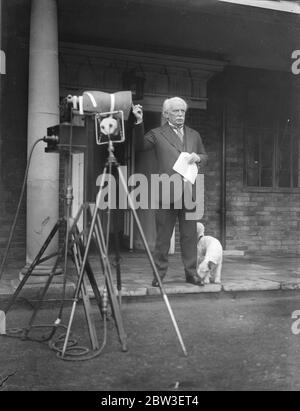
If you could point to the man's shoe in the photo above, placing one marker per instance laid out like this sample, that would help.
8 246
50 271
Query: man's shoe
194 280
155 282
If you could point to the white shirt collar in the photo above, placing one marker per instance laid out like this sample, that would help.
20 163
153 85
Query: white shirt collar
175 127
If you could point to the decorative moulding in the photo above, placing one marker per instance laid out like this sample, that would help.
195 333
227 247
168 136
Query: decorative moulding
88 67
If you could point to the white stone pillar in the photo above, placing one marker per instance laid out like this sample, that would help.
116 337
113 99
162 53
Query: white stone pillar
43 111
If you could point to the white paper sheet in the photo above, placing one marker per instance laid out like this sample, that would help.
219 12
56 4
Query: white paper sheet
188 171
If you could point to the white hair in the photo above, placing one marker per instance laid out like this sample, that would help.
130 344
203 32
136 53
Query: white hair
167 103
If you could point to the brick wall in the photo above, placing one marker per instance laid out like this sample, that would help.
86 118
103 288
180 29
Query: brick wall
257 221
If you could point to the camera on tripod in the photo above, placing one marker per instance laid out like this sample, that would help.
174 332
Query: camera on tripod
110 111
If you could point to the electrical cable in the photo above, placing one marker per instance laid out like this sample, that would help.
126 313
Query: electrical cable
74 351
13 227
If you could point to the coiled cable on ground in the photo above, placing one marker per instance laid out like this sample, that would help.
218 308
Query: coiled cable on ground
78 353
74 351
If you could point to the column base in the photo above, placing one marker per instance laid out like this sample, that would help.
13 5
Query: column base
40 274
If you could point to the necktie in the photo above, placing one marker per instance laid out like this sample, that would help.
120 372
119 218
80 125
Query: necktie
179 132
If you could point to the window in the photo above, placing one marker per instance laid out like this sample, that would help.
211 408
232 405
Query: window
272 143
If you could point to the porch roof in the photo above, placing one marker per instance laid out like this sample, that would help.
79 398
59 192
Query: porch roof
244 36
284 6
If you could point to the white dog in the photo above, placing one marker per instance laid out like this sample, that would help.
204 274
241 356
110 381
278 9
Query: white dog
209 257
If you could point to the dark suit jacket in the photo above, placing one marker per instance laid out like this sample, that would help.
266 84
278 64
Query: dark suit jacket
168 146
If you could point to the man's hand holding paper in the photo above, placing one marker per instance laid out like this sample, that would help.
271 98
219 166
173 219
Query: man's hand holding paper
194 158
187 167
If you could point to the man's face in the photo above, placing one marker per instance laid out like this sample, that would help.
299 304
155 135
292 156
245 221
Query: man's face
176 113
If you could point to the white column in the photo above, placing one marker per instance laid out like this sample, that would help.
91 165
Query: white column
43 111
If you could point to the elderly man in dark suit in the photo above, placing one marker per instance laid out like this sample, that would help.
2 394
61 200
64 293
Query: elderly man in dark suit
169 141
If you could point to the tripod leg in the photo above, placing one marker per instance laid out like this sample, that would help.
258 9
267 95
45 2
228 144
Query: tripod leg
86 304
33 265
41 299
90 234
94 286
80 252
109 207
88 315
153 265
109 283
100 240
62 222
69 197
118 266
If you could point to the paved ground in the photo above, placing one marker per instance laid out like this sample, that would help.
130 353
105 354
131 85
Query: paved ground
235 341
240 273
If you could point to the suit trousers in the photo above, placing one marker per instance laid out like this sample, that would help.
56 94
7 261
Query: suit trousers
165 223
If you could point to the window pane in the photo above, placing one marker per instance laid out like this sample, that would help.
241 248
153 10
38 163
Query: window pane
266 177
272 137
284 161
252 147
284 178
296 161
296 180
253 177
267 147
252 157
260 149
